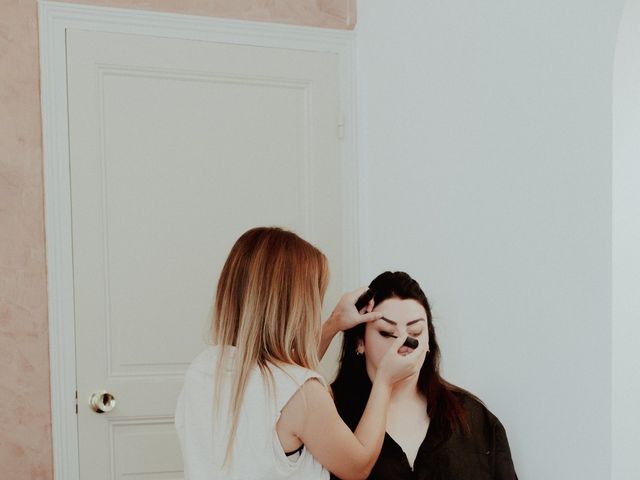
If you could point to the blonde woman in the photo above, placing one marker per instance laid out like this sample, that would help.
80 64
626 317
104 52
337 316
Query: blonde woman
252 405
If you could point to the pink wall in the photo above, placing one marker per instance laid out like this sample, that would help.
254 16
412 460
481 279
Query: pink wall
318 13
25 418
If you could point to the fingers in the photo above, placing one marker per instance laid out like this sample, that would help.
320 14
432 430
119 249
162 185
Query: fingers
355 295
367 308
370 305
397 343
395 346
370 317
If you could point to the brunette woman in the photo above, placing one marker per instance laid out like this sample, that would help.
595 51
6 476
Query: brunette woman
434 430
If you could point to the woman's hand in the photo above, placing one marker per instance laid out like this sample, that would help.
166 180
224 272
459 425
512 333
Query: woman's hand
395 366
345 316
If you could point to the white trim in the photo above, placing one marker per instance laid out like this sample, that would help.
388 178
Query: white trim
625 258
360 106
55 18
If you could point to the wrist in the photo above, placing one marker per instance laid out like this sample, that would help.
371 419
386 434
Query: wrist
382 385
330 327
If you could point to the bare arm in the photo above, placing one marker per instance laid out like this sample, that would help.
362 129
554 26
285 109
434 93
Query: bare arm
313 418
329 330
347 454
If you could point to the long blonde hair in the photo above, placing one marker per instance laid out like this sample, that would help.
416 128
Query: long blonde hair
268 305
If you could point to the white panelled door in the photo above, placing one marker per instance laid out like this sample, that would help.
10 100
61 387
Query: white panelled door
176 148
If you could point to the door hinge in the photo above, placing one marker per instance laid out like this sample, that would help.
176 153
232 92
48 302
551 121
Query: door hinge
341 126
76 402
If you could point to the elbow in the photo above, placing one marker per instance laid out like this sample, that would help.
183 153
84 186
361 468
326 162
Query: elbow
356 476
362 471
364 474
367 471
358 466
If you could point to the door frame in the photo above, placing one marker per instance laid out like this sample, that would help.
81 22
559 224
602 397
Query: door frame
625 234
54 20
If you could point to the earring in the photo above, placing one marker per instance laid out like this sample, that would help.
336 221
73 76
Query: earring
359 350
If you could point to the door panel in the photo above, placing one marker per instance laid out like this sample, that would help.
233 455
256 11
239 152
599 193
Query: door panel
177 147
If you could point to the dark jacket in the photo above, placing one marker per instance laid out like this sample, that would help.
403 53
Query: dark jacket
481 454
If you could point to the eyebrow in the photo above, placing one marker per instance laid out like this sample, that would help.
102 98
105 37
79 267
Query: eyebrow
408 323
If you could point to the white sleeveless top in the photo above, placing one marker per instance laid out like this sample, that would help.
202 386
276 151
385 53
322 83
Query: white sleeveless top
257 452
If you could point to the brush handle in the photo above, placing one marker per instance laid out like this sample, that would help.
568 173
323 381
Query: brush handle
411 343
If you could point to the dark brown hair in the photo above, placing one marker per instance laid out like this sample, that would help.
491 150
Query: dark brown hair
352 385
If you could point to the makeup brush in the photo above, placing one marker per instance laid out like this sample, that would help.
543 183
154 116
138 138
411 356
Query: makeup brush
411 343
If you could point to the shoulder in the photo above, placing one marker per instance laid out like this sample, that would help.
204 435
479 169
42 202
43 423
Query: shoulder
294 374
476 410
204 364
311 396
488 433
469 401
294 380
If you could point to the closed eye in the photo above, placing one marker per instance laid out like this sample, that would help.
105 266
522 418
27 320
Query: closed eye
415 334
387 334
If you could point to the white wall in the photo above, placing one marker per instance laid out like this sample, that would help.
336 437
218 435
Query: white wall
626 243
485 142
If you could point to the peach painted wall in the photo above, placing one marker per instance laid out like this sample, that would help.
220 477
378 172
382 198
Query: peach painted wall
25 418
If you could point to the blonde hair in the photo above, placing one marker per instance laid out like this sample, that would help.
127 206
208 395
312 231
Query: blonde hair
268 305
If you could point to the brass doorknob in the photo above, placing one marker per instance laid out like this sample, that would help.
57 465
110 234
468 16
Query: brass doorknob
102 402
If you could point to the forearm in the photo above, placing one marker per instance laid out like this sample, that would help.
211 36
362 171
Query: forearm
373 423
329 330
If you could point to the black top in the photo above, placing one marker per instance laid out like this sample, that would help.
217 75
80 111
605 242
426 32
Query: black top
482 454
